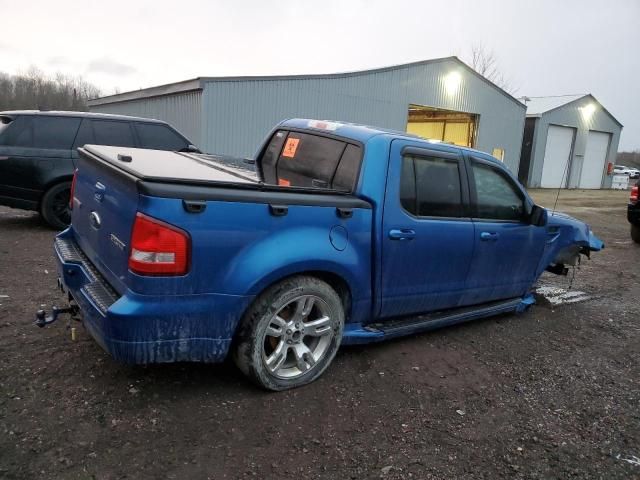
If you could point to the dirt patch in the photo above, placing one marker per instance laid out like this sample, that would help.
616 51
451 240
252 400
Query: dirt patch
552 393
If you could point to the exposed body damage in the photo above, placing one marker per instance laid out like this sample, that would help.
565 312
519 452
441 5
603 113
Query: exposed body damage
567 239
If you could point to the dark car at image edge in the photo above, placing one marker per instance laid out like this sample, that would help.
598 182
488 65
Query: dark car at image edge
633 213
38 152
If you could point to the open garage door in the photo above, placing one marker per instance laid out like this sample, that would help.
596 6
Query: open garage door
595 157
556 156
449 126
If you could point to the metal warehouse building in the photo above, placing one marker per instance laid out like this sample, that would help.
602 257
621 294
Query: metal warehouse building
441 99
568 142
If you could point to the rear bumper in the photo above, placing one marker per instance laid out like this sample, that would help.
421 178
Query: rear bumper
136 328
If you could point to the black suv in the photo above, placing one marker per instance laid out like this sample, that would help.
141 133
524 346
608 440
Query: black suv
633 213
38 152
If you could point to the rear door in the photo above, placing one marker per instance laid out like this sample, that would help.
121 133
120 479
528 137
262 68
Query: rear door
115 133
35 151
427 235
507 247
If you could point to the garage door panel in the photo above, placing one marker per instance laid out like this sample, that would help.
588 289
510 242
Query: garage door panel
556 156
595 156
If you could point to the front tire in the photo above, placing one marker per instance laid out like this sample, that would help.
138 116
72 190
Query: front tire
635 233
290 334
54 207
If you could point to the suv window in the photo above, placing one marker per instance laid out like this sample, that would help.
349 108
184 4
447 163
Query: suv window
430 187
159 137
496 195
307 160
42 132
108 132
4 123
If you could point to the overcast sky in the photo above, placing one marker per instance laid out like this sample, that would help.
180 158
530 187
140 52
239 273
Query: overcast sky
545 47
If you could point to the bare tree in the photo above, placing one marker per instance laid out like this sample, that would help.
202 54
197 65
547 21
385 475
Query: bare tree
486 64
35 90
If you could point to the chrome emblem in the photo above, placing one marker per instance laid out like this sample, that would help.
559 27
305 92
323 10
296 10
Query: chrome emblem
117 242
95 220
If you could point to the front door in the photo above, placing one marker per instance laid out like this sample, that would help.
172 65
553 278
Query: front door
427 234
507 247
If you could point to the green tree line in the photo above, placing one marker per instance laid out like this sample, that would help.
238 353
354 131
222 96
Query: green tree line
34 90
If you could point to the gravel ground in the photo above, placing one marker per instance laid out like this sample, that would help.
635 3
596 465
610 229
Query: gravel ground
552 393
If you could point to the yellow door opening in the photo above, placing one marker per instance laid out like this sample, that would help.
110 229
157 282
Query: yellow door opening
445 125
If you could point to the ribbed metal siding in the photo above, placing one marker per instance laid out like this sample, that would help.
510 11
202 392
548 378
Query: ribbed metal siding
571 116
182 111
237 114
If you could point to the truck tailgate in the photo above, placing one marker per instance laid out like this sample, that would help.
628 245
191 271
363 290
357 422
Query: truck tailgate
106 197
105 202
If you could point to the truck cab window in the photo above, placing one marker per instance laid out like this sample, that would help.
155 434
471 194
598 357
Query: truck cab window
298 159
497 197
430 187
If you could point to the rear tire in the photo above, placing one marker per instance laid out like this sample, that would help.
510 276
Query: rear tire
54 207
635 233
290 334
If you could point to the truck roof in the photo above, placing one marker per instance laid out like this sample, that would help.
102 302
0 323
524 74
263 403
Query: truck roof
363 133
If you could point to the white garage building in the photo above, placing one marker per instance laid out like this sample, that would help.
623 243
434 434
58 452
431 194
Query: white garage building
568 142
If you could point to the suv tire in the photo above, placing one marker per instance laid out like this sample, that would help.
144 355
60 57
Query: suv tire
54 207
290 334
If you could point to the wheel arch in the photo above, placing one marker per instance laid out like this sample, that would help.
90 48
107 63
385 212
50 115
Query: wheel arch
335 280
52 183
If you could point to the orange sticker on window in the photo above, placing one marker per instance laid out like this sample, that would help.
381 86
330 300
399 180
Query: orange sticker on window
290 147
284 183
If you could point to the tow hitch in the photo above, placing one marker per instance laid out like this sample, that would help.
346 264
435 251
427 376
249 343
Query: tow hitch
42 319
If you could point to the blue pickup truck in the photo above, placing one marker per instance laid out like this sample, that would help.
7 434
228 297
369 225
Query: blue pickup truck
335 234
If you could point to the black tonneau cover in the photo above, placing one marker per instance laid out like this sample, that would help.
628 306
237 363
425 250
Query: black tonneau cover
163 166
207 177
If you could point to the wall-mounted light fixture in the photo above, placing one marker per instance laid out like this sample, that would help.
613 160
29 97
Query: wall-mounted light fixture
452 82
588 110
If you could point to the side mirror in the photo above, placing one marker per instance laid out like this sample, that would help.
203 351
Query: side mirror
538 216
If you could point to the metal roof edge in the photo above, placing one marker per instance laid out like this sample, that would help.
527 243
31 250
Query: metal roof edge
197 83
607 111
157 91
576 100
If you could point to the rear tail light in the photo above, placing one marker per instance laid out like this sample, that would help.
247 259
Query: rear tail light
158 248
634 194
73 188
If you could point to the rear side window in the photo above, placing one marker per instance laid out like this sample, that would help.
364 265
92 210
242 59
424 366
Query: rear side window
56 133
430 187
497 197
117 134
4 123
159 137
85 135
307 160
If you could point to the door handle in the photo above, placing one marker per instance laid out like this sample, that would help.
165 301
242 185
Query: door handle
402 234
489 236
